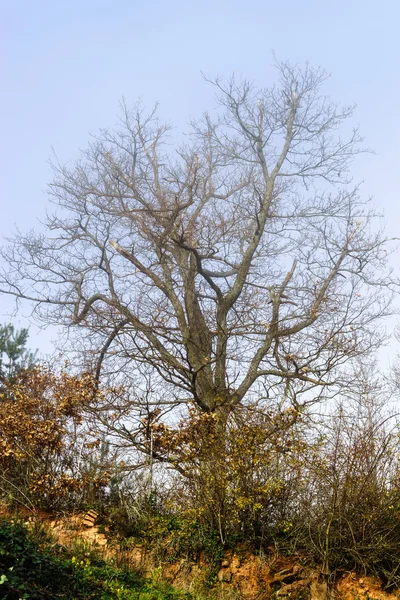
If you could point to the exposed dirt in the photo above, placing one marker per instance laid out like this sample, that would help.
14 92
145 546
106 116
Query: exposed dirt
352 586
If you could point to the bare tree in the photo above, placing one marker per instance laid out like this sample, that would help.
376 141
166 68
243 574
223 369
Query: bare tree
240 263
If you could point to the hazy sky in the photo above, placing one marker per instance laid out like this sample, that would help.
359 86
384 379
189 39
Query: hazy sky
65 65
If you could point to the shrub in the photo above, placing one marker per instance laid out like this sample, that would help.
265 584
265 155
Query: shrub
46 450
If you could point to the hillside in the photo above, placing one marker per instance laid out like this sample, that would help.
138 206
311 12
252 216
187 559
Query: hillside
43 557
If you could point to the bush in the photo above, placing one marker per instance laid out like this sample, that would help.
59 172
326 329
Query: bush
240 479
26 572
47 454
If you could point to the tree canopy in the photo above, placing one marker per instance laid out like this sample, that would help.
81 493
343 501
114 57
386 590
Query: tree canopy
241 264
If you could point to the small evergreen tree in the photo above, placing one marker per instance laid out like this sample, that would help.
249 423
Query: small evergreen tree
14 354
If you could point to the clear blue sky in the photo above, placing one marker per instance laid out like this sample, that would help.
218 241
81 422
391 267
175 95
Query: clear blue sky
65 65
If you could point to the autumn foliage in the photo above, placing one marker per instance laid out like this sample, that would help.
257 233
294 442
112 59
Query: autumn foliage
46 447
240 477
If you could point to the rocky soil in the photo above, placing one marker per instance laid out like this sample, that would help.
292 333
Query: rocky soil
242 575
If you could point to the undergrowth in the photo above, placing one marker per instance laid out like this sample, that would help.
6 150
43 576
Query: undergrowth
41 570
